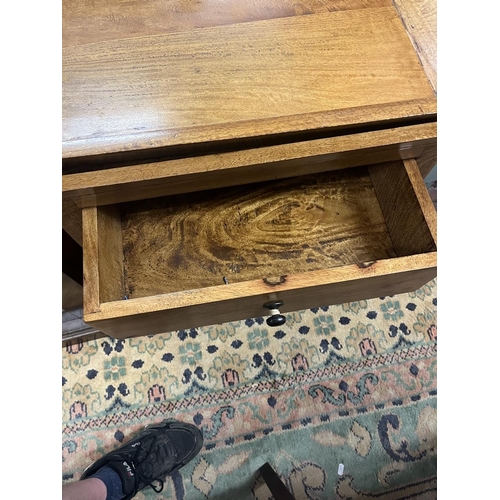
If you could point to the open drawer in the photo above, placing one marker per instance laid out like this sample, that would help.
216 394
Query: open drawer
208 257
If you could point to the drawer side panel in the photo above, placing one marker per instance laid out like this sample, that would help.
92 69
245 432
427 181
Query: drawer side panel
401 206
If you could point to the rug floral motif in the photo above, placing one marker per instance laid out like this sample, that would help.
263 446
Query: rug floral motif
353 384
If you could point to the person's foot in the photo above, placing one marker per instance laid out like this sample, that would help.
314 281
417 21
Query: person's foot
157 451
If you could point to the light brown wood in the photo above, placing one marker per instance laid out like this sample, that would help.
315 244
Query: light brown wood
153 106
222 83
91 262
422 194
256 231
400 205
321 239
109 232
191 309
88 21
163 178
420 20
103 273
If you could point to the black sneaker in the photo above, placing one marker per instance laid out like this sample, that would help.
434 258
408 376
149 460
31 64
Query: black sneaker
157 451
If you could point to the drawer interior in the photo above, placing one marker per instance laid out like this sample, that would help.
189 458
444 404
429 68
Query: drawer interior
259 231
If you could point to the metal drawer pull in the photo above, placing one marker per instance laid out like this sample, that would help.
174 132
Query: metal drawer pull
276 318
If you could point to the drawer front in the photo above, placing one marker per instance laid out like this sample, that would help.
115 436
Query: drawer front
184 175
346 284
189 261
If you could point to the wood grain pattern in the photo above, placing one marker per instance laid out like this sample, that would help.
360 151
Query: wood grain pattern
109 230
103 275
420 20
304 128
185 175
230 82
257 231
90 235
395 185
88 21
343 273
426 206
195 308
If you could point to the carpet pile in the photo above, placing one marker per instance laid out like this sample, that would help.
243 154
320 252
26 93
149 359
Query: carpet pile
353 384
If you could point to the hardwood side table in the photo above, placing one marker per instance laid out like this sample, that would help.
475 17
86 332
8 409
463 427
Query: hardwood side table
268 157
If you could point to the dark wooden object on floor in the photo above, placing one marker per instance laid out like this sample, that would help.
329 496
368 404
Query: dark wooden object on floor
274 483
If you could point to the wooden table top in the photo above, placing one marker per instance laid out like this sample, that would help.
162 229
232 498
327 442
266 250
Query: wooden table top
146 79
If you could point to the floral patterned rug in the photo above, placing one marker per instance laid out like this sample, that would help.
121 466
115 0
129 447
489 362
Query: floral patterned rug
353 384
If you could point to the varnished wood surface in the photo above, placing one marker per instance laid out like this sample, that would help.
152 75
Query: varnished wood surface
420 20
163 178
103 275
303 287
126 85
191 309
89 21
256 231
110 250
396 192
426 206
230 82
91 261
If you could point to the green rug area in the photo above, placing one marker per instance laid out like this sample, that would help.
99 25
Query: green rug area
353 384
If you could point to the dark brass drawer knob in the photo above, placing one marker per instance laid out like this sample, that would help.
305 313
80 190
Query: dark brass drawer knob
276 318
